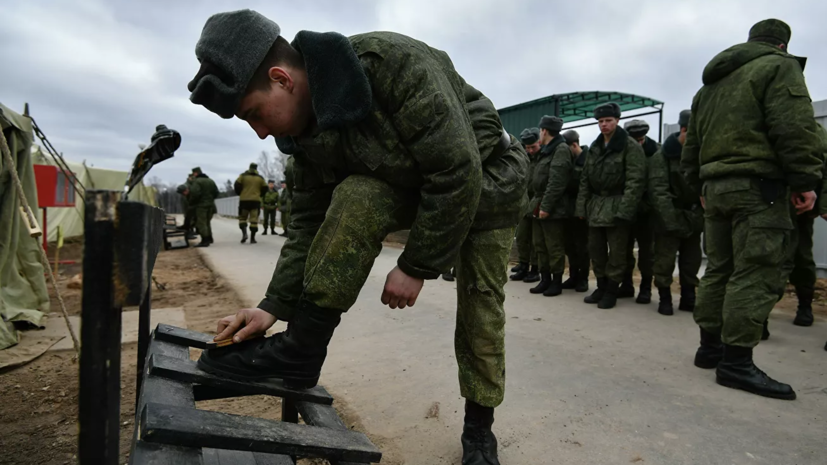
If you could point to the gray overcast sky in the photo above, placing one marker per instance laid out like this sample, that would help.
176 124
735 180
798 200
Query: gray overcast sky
100 74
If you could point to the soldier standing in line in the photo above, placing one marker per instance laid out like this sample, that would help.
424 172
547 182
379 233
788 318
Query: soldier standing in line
270 203
754 93
250 187
642 227
678 222
189 211
202 195
286 196
387 136
553 171
526 271
577 230
611 186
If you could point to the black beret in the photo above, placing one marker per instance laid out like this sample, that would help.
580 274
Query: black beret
683 119
571 136
771 30
530 136
637 127
197 170
551 123
606 110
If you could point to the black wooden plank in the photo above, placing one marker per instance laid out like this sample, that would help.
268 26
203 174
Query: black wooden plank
288 411
235 457
138 239
204 392
187 370
197 428
324 416
145 453
184 337
144 336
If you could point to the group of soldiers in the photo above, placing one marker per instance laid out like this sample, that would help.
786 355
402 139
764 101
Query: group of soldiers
255 195
199 193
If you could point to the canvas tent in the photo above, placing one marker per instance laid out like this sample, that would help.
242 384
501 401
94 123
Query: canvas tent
23 294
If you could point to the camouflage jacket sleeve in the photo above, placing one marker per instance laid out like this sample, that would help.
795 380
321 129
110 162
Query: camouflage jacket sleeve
691 153
196 194
584 194
425 102
560 171
311 199
660 195
635 182
213 191
791 127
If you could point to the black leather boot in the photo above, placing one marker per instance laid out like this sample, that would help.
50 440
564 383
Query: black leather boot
205 242
521 273
710 352
449 276
545 283
582 284
265 232
243 233
273 231
665 305
479 445
570 283
295 355
687 303
253 232
533 275
284 234
598 293
804 315
645 294
556 287
627 288
766 333
609 299
519 266
737 371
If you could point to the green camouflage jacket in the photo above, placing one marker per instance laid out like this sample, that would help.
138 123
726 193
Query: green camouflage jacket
392 107
287 193
574 182
528 211
270 201
551 177
250 186
753 118
613 181
650 147
203 192
676 205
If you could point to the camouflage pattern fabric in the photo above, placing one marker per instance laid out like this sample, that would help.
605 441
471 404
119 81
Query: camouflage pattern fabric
747 240
576 237
642 233
269 204
250 186
550 179
248 212
203 193
525 243
203 217
549 242
689 260
609 263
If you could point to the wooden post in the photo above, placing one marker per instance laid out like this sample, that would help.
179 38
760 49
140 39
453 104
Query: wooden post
144 335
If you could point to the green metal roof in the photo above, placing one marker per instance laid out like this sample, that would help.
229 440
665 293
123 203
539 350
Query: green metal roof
574 106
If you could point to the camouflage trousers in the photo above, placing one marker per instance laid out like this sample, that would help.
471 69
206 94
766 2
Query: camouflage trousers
577 244
269 219
525 243
747 241
285 219
642 233
362 212
189 218
800 266
549 242
203 217
607 249
248 211
688 250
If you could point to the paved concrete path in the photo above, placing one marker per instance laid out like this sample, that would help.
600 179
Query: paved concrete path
585 386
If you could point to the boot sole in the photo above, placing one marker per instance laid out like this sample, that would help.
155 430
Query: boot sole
803 324
666 312
643 301
290 382
555 294
684 309
736 385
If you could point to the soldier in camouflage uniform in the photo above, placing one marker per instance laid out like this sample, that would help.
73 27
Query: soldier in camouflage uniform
270 203
678 222
611 187
386 136
286 196
189 211
642 227
202 195
577 230
754 93
526 270
250 187
551 177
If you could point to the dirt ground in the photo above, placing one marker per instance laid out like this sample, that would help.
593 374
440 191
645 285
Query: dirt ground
38 414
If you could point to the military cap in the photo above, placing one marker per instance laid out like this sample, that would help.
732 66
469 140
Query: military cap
530 136
606 110
271 180
197 170
253 166
771 30
551 123
637 128
683 119
571 136
182 188
231 47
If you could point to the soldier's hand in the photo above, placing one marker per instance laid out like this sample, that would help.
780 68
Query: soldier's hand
703 204
803 201
543 215
401 290
246 324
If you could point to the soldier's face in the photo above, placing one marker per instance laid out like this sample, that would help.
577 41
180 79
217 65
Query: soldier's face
607 125
272 185
282 109
682 136
533 148
575 148
640 140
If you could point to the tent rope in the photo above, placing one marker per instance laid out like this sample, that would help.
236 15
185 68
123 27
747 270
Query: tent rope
4 147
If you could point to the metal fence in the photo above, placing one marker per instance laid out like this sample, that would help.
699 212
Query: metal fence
228 206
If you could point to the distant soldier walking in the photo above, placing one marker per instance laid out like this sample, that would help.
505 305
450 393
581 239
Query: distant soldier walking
577 229
270 203
526 270
286 196
754 93
202 195
250 187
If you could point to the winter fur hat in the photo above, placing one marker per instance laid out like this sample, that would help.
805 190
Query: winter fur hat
607 110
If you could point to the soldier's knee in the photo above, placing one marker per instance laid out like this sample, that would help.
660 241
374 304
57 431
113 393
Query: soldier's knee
363 198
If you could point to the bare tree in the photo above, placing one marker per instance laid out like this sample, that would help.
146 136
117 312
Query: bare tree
271 165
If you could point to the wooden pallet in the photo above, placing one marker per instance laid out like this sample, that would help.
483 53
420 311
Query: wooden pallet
172 235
